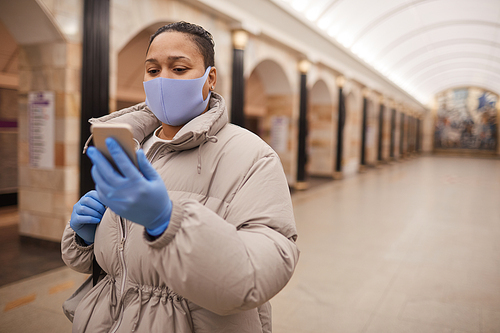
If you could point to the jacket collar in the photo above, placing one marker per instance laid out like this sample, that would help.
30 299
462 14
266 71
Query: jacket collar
191 135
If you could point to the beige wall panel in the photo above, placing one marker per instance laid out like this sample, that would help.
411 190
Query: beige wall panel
320 140
36 200
43 194
45 226
40 179
281 105
8 104
322 118
428 123
8 162
397 135
386 133
371 132
255 97
352 131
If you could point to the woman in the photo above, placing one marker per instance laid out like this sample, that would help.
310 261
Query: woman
202 235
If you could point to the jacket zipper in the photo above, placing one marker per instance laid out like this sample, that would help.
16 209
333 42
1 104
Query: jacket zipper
123 231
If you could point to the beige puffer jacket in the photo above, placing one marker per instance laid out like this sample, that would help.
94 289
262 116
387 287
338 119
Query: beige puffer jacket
229 247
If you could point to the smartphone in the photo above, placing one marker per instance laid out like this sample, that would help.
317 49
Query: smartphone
122 133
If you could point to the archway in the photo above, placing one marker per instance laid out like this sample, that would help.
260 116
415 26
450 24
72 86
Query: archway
268 110
130 71
321 131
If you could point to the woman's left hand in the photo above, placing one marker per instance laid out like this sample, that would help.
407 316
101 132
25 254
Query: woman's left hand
137 195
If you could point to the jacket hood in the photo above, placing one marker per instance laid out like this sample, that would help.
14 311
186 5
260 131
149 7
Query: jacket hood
191 135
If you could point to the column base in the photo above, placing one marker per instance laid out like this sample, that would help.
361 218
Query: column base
337 175
301 186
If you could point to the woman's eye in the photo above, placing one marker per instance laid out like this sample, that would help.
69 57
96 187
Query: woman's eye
153 71
179 70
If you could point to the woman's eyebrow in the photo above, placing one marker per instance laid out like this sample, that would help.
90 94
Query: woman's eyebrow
170 58
174 58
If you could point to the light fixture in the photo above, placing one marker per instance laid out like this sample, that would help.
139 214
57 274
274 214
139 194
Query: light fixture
304 66
240 39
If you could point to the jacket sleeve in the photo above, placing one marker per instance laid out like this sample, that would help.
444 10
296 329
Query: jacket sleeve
239 261
75 253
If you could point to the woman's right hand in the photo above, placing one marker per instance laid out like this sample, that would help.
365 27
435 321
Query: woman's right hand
87 214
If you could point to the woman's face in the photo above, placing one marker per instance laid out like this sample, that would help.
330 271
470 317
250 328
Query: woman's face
174 55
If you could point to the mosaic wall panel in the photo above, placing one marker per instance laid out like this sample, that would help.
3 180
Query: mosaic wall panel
466 119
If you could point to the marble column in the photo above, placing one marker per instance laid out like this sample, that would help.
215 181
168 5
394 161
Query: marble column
363 130
402 136
301 183
393 134
95 76
340 128
417 136
380 131
240 39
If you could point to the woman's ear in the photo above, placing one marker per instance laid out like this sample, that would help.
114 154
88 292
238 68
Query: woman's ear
212 78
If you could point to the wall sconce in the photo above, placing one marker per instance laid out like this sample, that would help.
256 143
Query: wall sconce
240 39
304 66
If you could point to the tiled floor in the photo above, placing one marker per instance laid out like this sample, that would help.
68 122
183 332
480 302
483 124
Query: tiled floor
23 259
412 247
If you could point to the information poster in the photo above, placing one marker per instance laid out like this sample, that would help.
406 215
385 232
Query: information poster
41 129
279 133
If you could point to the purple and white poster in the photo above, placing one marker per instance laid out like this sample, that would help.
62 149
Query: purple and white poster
41 129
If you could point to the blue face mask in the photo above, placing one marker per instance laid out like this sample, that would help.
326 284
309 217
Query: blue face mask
176 102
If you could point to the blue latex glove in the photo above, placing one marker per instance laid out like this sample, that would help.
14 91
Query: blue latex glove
137 195
87 214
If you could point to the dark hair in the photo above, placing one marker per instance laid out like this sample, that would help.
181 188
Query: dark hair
202 38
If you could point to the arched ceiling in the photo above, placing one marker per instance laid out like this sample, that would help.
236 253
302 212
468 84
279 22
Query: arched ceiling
423 46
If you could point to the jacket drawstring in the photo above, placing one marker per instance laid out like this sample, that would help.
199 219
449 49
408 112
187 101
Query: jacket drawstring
212 139
112 295
138 315
86 146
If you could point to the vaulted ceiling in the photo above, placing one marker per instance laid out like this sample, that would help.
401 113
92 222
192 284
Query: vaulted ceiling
424 46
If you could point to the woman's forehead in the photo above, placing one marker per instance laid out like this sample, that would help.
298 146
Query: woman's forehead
172 43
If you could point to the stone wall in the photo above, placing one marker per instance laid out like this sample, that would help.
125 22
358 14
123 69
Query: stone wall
397 135
405 136
386 133
8 141
46 196
352 134
321 140
282 105
371 131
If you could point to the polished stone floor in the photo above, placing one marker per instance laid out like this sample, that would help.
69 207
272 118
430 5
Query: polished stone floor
22 258
412 247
